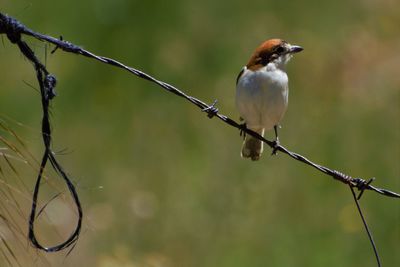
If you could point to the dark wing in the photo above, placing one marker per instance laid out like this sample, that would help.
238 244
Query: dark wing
240 74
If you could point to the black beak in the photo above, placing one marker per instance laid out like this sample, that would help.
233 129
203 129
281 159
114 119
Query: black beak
295 49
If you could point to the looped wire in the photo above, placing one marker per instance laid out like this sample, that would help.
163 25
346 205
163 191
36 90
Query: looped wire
47 83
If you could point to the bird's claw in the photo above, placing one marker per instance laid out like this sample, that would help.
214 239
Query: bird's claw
243 127
275 147
211 110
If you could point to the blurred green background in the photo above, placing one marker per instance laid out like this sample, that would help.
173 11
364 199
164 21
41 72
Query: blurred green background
161 184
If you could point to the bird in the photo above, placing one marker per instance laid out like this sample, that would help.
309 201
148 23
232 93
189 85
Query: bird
262 92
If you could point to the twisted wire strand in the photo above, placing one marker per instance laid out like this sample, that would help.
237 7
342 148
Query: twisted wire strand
14 29
47 83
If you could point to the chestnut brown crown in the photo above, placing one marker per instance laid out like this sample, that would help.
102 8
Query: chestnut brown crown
270 50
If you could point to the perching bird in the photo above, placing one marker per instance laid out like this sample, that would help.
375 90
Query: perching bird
262 92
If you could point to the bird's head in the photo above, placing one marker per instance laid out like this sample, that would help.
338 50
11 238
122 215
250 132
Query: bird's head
274 51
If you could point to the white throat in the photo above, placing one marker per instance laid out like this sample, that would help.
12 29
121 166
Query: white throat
279 63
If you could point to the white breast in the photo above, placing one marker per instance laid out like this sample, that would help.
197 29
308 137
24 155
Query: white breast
262 96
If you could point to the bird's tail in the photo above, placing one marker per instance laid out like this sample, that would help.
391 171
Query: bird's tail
252 147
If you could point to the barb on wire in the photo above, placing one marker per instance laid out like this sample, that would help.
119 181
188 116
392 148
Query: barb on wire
14 29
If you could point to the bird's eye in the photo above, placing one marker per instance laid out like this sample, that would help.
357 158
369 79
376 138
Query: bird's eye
280 50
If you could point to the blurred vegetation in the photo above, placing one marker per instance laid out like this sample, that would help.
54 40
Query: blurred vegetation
161 184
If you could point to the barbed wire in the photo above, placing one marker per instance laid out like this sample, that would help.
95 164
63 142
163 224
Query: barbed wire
47 83
14 29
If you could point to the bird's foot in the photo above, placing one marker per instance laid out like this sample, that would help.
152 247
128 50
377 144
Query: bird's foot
243 127
275 147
